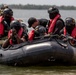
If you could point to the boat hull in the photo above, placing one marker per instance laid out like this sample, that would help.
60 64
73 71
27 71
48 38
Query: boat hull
40 51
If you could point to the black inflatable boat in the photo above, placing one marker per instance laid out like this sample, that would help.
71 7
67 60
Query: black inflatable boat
38 51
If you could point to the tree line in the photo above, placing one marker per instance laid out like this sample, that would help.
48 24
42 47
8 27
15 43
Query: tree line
40 7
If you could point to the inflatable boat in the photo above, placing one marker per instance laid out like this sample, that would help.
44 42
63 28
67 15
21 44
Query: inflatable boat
42 50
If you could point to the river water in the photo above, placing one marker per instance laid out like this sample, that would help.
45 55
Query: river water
26 14
39 70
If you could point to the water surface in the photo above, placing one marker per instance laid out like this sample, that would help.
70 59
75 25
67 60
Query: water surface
37 70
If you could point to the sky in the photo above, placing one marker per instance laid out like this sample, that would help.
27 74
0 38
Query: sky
40 2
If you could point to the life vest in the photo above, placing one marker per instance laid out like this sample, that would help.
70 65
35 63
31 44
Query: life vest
31 35
39 31
65 31
2 26
73 34
19 34
52 24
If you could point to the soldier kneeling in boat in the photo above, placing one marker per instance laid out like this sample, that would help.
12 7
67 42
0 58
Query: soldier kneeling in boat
16 34
70 29
39 27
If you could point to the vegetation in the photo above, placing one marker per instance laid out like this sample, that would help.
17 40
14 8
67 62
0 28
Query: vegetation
40 7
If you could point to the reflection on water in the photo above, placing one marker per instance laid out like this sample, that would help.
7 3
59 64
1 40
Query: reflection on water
37 70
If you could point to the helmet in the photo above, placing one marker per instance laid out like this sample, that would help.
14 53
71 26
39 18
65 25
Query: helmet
5 6
11 12
53 10
41 30
24 26
15 24
69 22
31 21
7 12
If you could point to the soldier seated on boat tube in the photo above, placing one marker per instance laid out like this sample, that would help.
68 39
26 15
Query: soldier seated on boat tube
56 24
16 34
39 27
5 21
70 29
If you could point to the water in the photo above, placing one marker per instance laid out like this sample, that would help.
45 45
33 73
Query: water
26 14
39 70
